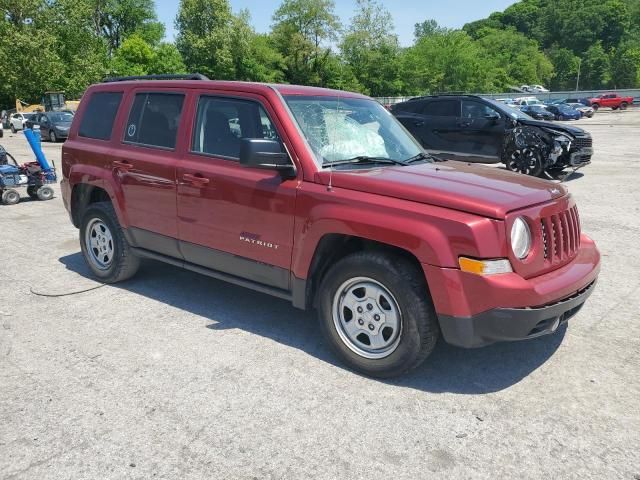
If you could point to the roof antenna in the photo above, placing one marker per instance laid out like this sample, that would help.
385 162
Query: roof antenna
335 120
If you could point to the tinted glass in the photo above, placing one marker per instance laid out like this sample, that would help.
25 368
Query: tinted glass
98 117
61 117
221 123
154 119
443 108
471 109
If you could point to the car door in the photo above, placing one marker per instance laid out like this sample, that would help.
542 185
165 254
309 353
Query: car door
234 219
434 125
144 166
481 132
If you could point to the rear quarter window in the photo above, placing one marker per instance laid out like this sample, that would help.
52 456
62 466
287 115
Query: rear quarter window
98 117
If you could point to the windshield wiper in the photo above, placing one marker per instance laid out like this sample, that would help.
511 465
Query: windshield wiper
421 156
363 159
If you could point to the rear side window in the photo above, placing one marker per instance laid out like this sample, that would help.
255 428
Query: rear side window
221 123
442 108
154 119
98 117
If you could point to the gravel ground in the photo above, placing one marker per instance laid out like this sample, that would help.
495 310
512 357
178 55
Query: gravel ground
178 376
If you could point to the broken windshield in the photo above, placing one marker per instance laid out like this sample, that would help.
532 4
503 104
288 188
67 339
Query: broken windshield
339 129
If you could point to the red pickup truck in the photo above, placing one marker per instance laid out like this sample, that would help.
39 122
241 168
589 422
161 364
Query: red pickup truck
320 197
611 100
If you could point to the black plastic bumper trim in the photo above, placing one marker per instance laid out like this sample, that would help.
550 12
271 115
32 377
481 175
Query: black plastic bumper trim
504 324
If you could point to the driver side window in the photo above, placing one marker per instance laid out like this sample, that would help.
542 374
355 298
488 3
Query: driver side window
471 109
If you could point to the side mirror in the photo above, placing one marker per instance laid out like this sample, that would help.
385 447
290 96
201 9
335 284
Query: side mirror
493 117
267 154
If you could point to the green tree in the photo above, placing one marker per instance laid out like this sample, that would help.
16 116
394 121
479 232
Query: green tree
448 62
204 37
115 20
624 66
426 28
371 51
565 65
302 32
166 59
595 68
519 56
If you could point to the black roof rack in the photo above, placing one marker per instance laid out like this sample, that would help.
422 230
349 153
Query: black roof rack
178 76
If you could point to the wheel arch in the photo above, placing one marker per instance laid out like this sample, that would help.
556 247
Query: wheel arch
331 248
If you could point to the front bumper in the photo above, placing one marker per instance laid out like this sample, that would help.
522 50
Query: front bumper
476 310
503 324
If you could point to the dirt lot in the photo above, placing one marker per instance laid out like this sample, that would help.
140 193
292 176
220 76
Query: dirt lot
178 376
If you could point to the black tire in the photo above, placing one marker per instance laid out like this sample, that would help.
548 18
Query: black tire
526 161
624 105
32 191
13 129
595 107
44 193
10 197
52 136
418 331
123 264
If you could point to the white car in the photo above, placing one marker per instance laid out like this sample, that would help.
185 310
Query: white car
522 101
525 88
538 89
18 120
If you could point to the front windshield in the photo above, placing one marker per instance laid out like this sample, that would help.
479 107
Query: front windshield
340 129
61 117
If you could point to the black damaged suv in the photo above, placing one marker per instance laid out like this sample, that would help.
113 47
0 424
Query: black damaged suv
476 129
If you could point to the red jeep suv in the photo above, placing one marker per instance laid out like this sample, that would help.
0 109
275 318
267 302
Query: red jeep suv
322 198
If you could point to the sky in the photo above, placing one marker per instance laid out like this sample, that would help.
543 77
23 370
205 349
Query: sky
406 13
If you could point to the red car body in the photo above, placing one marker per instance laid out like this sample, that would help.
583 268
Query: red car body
252 227
611 100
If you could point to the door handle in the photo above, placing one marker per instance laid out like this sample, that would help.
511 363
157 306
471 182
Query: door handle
195 179
122 165
418 123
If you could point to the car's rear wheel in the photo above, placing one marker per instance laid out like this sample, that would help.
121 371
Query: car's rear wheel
376 313
104 246
526 161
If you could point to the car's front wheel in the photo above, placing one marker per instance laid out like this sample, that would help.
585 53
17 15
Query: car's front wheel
104 247
13 129
52 136
376 313
526 161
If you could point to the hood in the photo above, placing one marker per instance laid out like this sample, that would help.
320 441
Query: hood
575 131
477 189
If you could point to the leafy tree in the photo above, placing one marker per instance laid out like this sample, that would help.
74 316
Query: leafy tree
519 56
302 30
426 28
565 65
371 51
447 62
134 57
595 68
204 37
625 61
115 20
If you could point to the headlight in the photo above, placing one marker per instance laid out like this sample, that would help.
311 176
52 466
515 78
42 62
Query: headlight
520 238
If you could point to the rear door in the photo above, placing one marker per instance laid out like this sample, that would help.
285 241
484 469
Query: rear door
434 124
144 165
481 132
234 219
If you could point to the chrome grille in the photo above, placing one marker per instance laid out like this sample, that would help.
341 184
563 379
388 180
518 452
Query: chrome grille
560 235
